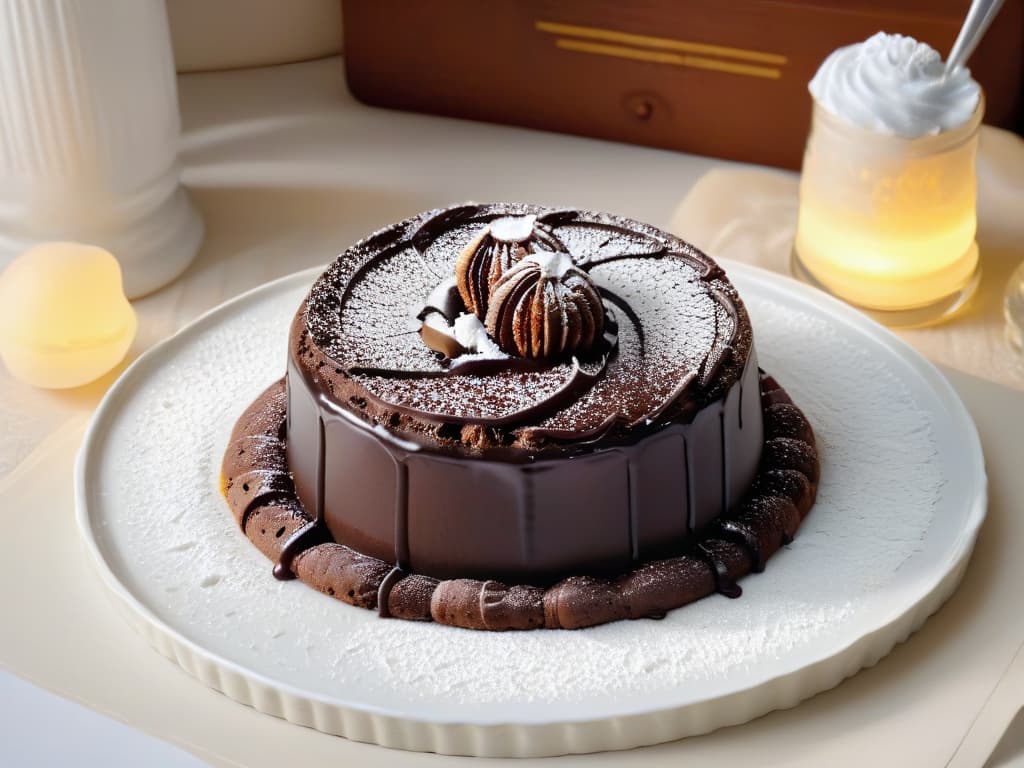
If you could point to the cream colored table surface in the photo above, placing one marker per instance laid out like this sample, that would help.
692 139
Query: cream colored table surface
287 169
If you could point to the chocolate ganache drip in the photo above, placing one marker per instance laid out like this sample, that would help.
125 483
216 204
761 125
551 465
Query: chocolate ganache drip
260 496
601 409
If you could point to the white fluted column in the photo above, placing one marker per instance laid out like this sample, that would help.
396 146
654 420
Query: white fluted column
89 130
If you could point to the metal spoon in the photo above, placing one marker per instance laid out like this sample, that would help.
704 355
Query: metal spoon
979 17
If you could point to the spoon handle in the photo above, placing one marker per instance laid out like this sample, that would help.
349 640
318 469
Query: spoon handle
979 17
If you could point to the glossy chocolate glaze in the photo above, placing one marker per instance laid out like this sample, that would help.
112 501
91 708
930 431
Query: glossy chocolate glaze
261 496
567 467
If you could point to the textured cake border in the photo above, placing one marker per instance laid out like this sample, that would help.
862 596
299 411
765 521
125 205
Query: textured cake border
257 485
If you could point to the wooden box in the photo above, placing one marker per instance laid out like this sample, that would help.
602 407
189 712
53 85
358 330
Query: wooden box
715 77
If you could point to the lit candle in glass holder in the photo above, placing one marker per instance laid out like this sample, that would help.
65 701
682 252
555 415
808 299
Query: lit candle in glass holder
887 197
64 318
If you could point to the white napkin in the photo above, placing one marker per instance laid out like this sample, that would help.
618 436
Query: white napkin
46 730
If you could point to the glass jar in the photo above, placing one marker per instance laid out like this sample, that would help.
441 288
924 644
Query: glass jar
1013 309
888 222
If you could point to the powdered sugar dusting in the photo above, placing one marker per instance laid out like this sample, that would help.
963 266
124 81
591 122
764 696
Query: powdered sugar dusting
377 325
679 323
172 538
601 240
362 313
472 397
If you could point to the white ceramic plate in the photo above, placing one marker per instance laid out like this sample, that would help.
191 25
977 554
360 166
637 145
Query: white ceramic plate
901 500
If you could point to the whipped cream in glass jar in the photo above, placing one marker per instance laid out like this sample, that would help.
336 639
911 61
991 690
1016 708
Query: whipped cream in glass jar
887 197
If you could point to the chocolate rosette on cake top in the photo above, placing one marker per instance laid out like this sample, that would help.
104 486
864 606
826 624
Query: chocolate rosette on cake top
506 394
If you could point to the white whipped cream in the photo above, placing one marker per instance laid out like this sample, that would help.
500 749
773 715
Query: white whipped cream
894 84
552 264
468 331
472 335
512 229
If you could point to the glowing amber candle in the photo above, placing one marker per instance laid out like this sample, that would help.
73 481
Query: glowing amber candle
887 221
64 318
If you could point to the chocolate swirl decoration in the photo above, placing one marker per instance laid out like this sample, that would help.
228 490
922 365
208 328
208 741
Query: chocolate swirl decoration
671 325
498 246
545 307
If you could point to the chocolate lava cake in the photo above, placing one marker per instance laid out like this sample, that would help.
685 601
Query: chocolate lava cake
512 417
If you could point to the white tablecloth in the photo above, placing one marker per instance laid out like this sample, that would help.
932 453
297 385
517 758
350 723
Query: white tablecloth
287 170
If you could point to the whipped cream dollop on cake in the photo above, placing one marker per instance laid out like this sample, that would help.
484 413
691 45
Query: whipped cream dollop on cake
897 85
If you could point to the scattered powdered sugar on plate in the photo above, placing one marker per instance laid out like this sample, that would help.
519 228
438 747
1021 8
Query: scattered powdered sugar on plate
872 439
170 539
